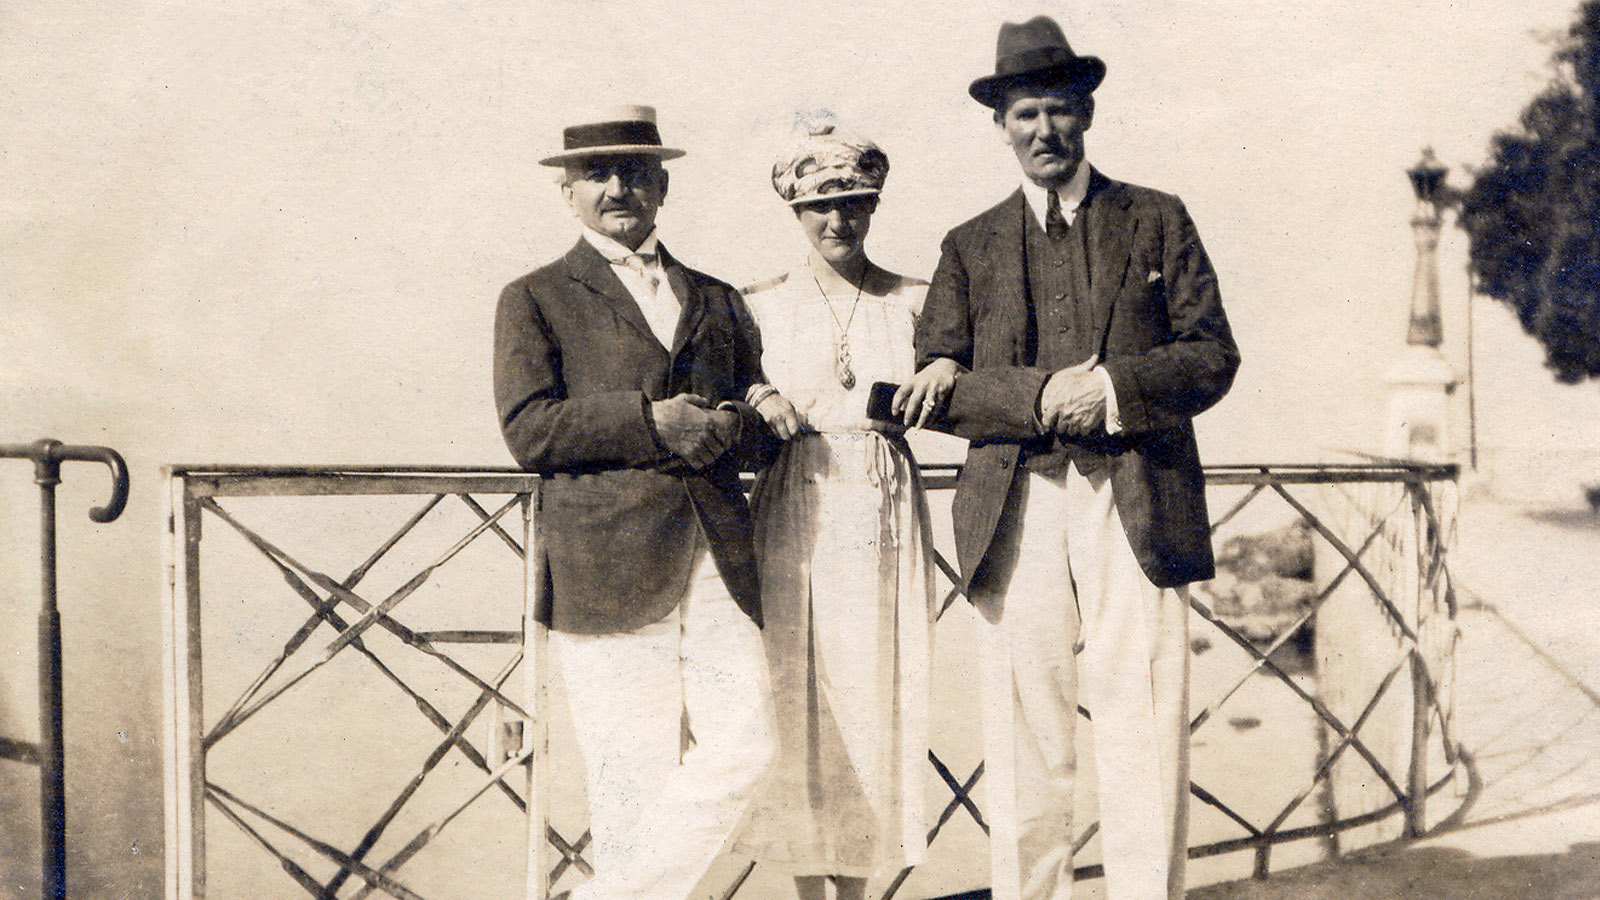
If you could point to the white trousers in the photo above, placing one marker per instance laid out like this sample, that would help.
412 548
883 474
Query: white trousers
674 721
1078 611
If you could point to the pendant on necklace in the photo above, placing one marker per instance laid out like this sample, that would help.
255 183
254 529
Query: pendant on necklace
842 367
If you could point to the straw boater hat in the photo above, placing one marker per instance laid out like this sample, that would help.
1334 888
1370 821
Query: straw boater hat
1034 49
826 165
618 131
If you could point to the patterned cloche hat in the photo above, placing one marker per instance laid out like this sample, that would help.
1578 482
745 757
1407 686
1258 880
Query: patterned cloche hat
826 164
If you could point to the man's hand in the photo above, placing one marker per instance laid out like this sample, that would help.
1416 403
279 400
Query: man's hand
1074 399
780 415
919 399
692 430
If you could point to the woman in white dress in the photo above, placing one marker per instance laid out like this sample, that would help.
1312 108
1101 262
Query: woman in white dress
842 533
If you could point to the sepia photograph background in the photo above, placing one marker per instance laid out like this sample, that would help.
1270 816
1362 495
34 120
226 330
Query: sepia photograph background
274 233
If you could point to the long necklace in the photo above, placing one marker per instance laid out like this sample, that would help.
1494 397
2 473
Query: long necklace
841 364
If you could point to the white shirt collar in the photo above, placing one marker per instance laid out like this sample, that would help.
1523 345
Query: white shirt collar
614 250
1071 194
659 304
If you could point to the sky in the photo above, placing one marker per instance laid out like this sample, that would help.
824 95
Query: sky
274 232
277 231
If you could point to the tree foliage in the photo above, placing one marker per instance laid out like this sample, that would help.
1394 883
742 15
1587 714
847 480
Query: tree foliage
1533 214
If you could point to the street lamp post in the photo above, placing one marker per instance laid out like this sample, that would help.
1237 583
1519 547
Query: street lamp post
1427 180
1420 381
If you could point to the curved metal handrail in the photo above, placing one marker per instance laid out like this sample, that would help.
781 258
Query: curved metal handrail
48 454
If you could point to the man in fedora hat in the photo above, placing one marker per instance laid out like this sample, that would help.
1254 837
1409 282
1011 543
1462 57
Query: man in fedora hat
1071 333
619 375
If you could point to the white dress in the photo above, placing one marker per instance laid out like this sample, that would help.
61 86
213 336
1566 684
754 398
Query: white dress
847 592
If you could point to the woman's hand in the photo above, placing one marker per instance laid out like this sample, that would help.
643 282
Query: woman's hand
925 395
779 415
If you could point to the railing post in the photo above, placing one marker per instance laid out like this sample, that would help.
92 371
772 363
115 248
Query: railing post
1417 782
185 757
536 732
1417 774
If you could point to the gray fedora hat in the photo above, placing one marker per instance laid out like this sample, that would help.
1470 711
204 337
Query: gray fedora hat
619 131
1031 50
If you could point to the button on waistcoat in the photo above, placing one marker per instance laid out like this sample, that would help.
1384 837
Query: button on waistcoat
1061 336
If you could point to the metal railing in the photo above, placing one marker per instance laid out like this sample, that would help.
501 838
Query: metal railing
336 607
351 638
50 753
1387 527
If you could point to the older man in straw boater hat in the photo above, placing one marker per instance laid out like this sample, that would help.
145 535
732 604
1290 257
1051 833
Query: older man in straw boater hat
619 375
1071 333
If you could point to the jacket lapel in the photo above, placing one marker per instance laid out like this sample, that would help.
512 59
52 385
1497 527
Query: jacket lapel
588 267
1005 254
694 307
1112 228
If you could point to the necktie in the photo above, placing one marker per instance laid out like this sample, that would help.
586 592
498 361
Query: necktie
642 265
1055 224
660 309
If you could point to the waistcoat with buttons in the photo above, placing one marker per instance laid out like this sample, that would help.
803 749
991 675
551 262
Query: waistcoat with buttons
1058 305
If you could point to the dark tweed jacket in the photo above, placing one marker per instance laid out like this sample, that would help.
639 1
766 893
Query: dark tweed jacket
575 367
1165 342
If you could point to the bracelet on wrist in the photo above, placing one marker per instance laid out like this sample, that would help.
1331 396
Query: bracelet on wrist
758 394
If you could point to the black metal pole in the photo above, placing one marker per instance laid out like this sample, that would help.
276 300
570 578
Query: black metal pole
47 456
52 758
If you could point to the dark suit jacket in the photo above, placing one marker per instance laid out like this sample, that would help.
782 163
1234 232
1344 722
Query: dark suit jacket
575 369
1166 345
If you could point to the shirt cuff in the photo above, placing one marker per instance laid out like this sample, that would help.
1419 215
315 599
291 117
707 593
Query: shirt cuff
738 416
1113 416
650 423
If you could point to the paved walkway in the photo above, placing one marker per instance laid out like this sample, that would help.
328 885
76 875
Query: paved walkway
1528 710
